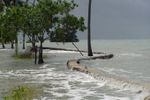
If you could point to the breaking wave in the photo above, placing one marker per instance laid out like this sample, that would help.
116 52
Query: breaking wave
71 85
5 49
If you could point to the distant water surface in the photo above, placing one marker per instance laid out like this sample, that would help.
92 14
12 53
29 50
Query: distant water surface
131 58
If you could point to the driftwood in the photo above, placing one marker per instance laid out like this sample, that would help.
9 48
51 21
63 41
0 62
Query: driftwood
147 98
108 56
51 48
75 64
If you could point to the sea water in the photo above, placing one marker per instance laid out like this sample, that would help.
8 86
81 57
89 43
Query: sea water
131 59
56 82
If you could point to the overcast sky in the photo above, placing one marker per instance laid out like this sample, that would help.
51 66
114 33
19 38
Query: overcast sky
113 19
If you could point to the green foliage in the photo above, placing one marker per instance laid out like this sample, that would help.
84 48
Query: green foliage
1 6
67 29
47 19
21 93
8 25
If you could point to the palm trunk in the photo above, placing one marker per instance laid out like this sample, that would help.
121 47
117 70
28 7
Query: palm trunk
40 60
16 45
90 53
3 45
33 42
14 2
12 44
27 1
33 2
35 55
2 41
23 47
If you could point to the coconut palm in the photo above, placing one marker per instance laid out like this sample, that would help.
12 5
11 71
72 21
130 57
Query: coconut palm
90 53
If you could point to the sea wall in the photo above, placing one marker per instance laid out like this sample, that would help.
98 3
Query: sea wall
118 81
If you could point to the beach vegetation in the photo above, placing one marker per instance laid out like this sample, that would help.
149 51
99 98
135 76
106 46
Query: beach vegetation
40 21
21 93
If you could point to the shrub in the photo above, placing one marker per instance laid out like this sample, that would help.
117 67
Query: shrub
21 93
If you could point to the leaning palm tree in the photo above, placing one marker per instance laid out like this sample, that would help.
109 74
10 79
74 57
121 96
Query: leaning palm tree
90 53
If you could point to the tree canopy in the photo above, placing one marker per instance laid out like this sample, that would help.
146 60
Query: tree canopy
47 19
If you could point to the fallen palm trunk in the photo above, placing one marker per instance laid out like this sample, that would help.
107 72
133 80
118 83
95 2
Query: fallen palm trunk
147 98
75 64
51 48
98 57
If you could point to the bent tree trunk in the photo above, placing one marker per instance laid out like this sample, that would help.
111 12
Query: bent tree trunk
40 60
90 53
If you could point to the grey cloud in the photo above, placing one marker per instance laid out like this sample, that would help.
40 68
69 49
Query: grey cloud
118 18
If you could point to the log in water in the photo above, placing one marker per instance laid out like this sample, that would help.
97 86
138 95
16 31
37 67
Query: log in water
63 49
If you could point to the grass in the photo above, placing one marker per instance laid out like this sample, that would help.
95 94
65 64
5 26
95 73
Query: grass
21 93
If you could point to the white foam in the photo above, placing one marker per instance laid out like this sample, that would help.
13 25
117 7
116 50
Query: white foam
5 49
44 98
106 97
73 82
119 83
77 76
44 66
7 74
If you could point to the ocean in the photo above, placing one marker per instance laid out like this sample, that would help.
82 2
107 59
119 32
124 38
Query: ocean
56 82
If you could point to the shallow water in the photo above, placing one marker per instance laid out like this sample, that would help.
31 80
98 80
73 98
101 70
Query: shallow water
56 82
131 59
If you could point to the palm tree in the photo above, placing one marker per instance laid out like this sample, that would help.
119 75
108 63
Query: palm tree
90 53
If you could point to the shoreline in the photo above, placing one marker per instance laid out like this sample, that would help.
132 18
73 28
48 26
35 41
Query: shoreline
118 81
